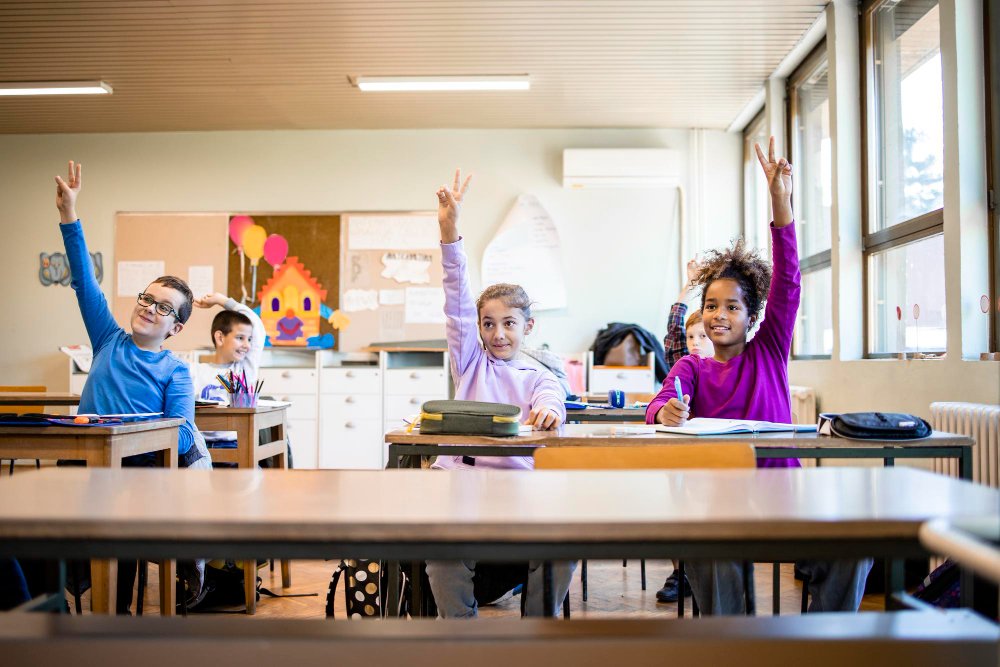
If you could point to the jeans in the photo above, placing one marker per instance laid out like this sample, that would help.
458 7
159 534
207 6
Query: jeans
451 584
835 585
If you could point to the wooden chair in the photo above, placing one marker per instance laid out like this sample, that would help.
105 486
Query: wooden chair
656 457
24 409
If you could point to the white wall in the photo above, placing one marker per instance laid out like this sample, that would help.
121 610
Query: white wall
620 245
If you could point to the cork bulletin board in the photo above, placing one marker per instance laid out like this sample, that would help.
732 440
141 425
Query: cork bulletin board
390 278
191 246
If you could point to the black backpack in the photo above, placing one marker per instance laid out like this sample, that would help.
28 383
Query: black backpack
877 426
223 587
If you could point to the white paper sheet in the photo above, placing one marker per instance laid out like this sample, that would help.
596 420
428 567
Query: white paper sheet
392 232
424 305
526 251
359 299
201 280
134 277
407 267
391 297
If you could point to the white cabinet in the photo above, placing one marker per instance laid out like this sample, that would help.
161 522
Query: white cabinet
351 407
630 379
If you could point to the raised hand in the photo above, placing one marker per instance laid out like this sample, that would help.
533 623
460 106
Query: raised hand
692 271
675 413
209 300
778 173
67 191
450 206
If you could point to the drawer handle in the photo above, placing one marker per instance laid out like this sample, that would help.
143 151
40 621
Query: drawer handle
349 399
349 374
414 401
621 376
349 425
284 399
286 374
415 375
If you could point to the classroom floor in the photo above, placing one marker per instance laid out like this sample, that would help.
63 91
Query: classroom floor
613 591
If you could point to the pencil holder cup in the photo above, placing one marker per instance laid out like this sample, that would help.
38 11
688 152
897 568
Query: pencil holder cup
243 399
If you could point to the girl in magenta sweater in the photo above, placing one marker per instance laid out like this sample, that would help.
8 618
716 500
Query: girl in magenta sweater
749 380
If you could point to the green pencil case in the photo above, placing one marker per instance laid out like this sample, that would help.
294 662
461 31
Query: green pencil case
469 418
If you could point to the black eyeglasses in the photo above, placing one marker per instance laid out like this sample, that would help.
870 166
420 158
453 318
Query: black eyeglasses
162 307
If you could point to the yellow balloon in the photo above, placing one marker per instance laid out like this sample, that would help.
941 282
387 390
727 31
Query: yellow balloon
253 242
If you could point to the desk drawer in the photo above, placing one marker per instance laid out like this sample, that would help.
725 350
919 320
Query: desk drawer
627 379
289 381
351 444
302 439
351 380
350 406
417 381
398 407
303 406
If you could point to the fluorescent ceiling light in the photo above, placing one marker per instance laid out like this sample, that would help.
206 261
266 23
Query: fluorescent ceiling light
55 88
446 83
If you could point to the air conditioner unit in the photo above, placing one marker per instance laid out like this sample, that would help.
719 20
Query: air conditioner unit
620 168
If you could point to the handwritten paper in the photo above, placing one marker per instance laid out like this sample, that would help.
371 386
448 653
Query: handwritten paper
407 267
359 299
526 251
391 297
392 232
134 277
424 305
201 280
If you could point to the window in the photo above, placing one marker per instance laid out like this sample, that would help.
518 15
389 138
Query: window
756 202
993 162
903 178
275 304
307 304
810 152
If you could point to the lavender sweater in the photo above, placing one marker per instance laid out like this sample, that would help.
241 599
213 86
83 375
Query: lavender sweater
754 383
477 374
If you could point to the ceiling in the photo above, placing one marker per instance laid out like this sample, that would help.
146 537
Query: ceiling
284 64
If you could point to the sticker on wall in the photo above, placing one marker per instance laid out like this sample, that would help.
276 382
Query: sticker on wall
291 305
53 269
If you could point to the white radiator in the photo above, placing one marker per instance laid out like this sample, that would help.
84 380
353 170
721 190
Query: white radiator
982 424
803 405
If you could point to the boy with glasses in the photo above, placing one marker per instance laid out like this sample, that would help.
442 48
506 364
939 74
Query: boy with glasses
131 373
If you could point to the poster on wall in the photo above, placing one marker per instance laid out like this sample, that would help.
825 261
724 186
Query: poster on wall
287 269
526 251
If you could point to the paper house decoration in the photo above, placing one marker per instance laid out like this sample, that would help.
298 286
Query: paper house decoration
290 304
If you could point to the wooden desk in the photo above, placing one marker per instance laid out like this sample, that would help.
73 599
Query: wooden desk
100 446
914 639
38 398
599 415
249 423
481 514
767 445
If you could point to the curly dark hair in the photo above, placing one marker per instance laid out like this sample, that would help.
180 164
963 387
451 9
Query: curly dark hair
750 271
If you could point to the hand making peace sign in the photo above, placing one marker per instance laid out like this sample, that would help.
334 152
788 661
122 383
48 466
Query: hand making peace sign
449 207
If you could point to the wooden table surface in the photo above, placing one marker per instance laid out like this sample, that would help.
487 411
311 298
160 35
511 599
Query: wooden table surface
38 398
541 510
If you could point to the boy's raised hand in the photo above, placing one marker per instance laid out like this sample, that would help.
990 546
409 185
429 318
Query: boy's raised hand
67 191
778 173
692 271
449 207
209 300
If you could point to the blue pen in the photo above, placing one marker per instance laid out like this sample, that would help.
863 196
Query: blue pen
677 388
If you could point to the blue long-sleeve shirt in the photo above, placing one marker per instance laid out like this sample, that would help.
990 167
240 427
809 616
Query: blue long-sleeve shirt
124 378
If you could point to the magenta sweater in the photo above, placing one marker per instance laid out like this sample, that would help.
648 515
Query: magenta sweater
754 383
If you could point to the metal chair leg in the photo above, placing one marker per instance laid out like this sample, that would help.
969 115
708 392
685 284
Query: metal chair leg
776 589
680 594
141 593
583 579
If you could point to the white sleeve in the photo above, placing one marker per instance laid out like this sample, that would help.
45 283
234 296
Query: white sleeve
257 337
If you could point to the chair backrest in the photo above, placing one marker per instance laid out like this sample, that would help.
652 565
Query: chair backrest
23 409
714 455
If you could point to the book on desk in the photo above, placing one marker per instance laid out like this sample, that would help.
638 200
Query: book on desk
711 426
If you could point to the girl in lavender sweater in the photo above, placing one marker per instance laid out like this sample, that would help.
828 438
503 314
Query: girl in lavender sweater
749 380
484 337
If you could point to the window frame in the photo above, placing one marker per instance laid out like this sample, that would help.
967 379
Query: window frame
915 229
991 55
824 258
749 178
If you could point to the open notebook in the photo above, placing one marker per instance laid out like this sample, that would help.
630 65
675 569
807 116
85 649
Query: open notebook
709 426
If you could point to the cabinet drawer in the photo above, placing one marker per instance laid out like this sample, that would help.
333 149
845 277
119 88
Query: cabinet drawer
350 406
351 444
351 380
289 381
302 439
624 378
400 406
429 381
303 406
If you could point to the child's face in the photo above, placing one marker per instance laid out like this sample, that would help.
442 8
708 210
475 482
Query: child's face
725 314
234 345
503 328
698 341
149 324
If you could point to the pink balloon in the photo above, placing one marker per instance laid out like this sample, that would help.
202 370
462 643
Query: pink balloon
275 249
238 224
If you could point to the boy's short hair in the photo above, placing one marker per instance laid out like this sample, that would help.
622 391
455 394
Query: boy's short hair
225 320
187 302
693 319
